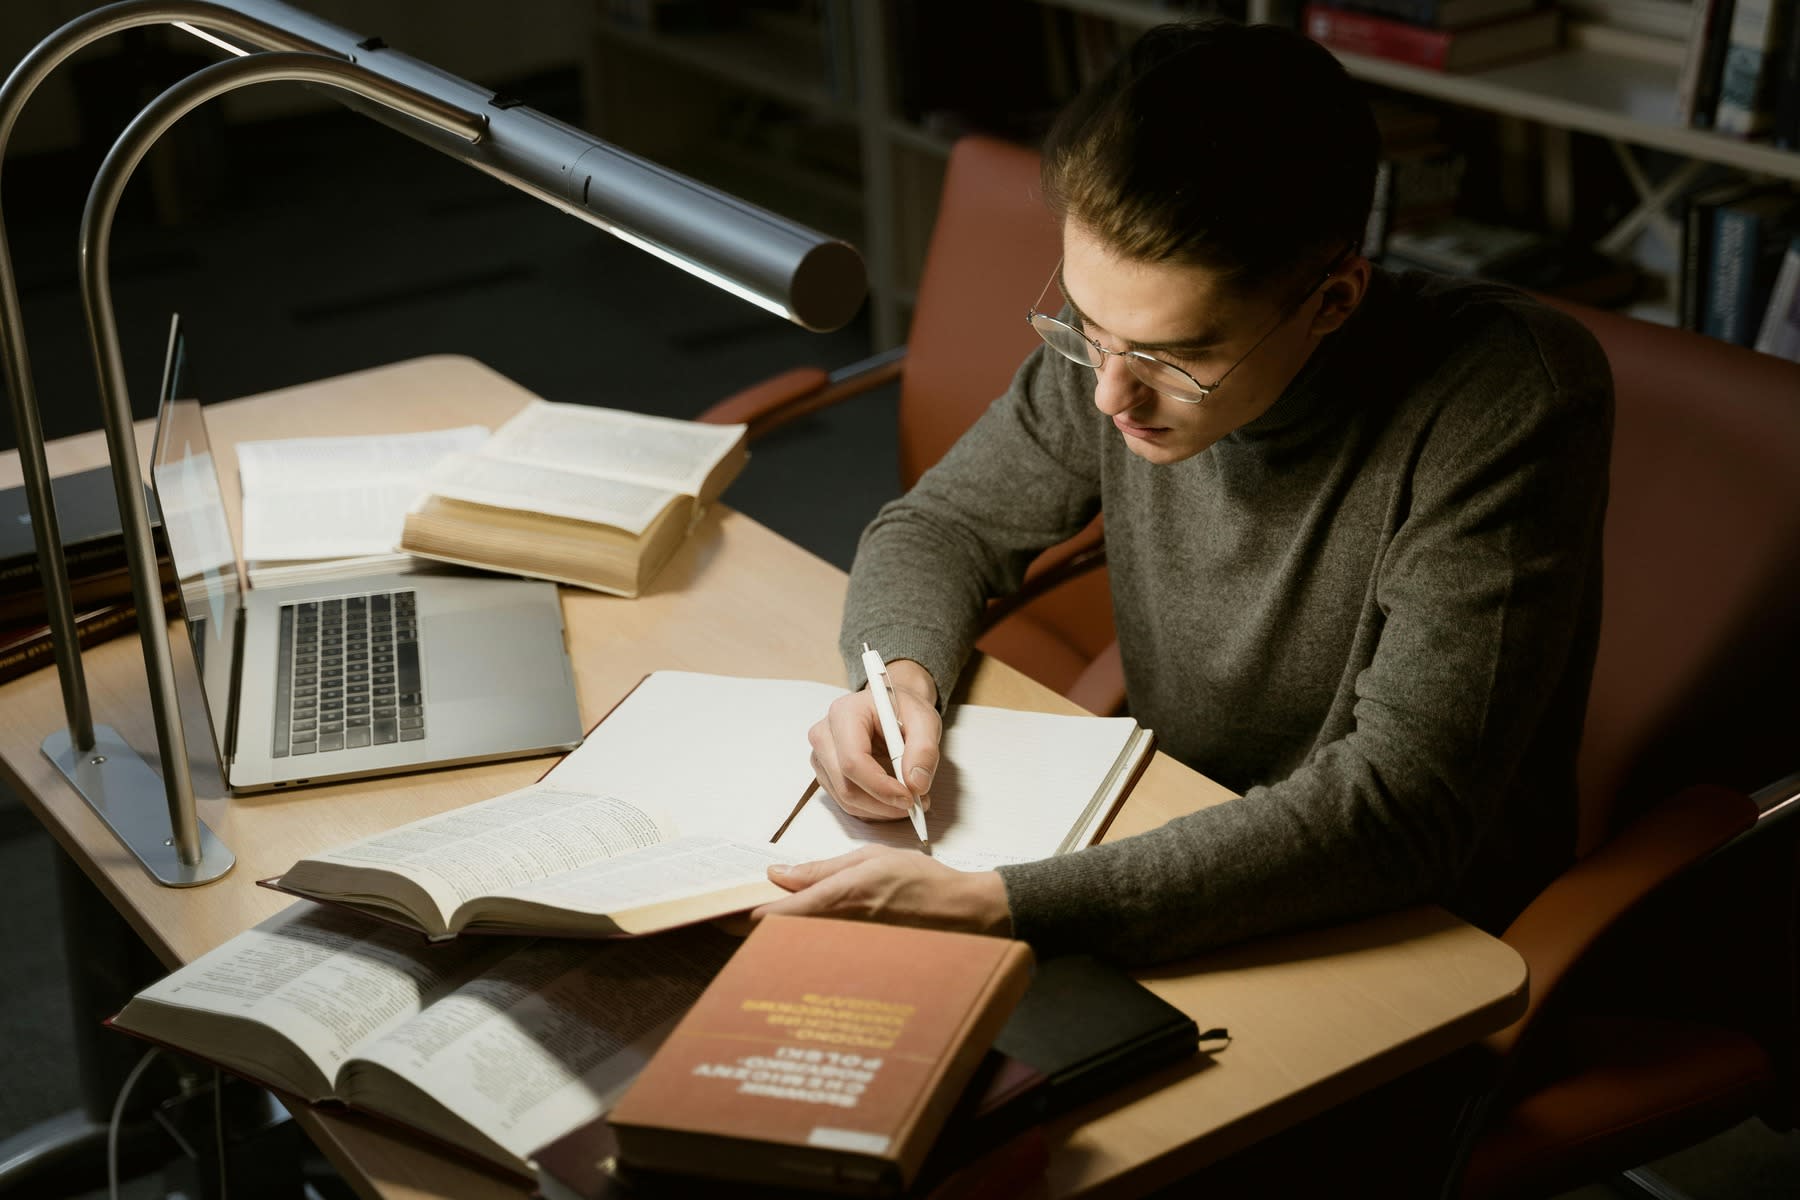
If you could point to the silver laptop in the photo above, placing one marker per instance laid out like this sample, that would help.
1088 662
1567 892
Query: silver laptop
346 678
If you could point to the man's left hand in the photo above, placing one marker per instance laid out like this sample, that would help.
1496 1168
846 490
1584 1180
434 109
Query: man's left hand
899 887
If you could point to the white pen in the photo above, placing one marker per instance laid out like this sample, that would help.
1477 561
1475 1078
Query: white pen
882 689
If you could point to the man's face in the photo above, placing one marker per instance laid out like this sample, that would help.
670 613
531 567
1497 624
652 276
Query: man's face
1180 314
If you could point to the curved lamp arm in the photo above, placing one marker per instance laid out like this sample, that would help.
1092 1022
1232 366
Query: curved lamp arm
199 857
20 84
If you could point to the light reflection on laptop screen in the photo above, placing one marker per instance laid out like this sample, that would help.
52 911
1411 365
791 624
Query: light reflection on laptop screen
200 543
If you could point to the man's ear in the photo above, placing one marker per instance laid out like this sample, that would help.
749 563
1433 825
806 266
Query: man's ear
1341 295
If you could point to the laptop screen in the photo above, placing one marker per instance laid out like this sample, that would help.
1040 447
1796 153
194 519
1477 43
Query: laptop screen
186 483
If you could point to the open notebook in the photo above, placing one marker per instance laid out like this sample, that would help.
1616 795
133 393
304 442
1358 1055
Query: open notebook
677 802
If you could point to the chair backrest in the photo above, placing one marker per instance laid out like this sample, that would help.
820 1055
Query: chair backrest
992 248
1698 674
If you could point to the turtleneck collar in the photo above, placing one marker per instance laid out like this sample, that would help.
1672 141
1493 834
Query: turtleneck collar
1319 395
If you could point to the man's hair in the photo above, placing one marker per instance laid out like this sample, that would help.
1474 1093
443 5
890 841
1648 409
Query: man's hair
1246 149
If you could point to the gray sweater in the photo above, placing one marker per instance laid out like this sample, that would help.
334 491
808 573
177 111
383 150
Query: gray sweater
1372 611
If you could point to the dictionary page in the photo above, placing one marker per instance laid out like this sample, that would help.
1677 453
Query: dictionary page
577 495
427 869
661 452
291 1000
1011 786
541 1043
337 497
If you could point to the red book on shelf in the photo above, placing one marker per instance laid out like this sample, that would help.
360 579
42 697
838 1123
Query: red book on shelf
1434 49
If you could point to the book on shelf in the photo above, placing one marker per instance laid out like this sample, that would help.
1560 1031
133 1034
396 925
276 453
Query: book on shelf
1465 49
1703 64
25 648
492 1049
319 508
1748 86
595 497
635 832
1750 236
1537 262
1787 95
1438 14
1779 333
826 1055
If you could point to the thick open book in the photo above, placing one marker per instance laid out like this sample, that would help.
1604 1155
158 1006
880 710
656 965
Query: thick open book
594 497
498 1048
333 507
675 805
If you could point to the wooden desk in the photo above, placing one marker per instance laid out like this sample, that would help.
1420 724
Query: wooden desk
1315 1018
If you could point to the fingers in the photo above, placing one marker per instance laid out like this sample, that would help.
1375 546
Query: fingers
922 729
820 888
845 748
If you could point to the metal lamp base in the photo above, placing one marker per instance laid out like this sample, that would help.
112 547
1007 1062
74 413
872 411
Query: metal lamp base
125 793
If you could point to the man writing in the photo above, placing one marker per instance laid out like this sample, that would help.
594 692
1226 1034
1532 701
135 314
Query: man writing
1352 519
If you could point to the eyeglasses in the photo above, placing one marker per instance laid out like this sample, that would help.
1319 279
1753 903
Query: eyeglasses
1153 372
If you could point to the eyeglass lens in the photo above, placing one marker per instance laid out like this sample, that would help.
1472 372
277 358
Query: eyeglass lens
1073 345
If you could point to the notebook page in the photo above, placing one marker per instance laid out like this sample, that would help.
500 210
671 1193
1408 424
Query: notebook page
577 495
717 754
314 498
658 451
1009 788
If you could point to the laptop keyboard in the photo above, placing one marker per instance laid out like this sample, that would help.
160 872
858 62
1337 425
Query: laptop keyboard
349 674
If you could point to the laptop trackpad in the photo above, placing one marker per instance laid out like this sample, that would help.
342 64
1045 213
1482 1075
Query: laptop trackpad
489 652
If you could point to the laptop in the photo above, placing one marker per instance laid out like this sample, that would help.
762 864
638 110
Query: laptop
347 678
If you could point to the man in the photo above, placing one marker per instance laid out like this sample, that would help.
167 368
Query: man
1352 521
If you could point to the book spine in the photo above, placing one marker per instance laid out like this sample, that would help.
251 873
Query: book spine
1377 37
1414 12
1688 84
1780 332
1728 287
1696 233
1787 101
26 654
1712 63
94 557
1746 98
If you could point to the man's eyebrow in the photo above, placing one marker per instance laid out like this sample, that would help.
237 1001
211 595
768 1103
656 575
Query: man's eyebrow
1204 339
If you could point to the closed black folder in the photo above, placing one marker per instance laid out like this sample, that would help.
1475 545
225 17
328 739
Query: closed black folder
1084 1028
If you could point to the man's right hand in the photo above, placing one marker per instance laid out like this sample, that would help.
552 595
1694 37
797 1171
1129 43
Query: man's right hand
850 756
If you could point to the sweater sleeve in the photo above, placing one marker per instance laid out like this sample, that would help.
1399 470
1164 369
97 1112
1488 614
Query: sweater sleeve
1482 592
929 562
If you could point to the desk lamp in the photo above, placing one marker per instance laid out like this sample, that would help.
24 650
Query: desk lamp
815 281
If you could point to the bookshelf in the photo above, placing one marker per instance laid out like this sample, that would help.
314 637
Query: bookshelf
832 70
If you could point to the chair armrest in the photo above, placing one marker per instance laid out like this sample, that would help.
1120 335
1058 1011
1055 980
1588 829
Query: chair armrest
1084 552
1100 688
1590 898
767 406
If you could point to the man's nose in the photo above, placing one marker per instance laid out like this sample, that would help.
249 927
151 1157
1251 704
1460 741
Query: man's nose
1116 389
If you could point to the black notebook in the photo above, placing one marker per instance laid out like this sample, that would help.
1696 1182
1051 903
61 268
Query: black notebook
1084 1028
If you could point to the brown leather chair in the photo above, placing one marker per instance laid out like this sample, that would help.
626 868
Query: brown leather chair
1663 962
991 250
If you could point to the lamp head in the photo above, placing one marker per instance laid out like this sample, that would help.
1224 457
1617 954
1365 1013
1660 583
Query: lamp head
815 281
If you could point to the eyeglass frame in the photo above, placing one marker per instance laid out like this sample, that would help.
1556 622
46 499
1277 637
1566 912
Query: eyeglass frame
1130 356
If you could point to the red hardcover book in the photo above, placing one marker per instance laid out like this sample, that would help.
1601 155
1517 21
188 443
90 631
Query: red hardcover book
1434 49
825 1056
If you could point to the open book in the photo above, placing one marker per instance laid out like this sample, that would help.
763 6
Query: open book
594 497
333 507
496 1048
675 805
